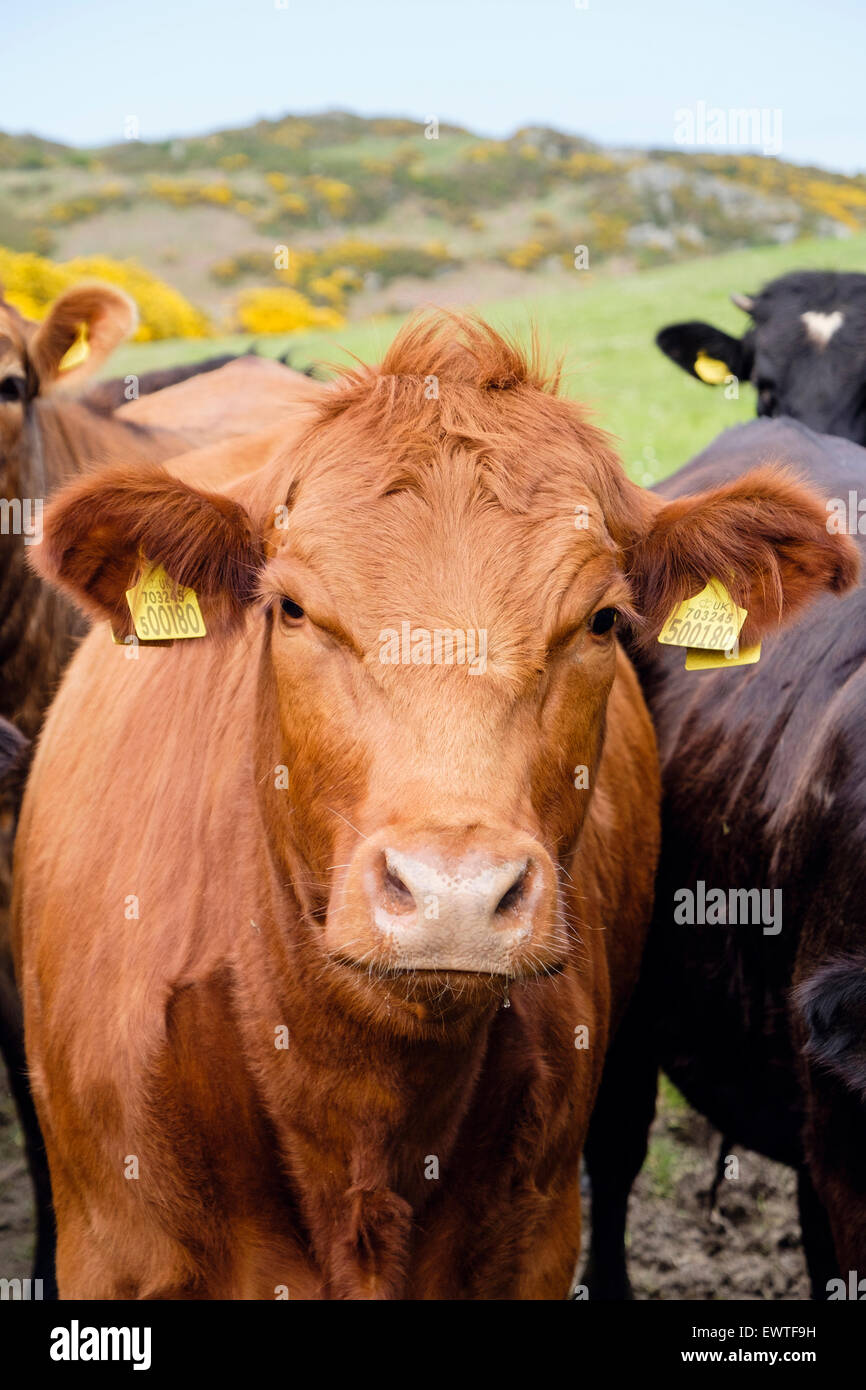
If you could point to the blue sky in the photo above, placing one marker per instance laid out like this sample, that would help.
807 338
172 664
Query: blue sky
617 70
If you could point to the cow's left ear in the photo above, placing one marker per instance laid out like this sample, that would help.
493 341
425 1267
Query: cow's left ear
82 329
97 530
706 352
764 536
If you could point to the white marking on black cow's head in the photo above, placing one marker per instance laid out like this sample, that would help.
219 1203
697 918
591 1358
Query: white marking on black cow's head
821 327
792 351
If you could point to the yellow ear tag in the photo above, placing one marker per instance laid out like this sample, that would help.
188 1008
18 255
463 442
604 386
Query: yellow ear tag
162 609
711 369
709 619
78 353
698 660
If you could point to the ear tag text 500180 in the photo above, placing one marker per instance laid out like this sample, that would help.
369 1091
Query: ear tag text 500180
709 625
162 609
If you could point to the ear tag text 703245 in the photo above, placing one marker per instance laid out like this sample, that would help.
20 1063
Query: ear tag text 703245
709 624
163 610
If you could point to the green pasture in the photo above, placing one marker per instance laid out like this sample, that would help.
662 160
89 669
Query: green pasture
604 327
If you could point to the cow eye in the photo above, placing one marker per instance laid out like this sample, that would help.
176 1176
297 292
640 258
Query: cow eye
602 621
13 388
291 610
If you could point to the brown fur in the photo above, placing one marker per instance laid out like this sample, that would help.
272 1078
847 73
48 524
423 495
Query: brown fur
712 535
109 317
261 1168
109 395
48 438
248 394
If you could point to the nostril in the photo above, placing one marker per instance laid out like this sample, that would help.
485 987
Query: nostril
396 888
512 899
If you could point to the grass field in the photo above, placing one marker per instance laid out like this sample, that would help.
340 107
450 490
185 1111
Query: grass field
605 330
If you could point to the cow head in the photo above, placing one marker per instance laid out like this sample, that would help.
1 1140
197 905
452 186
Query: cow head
83 326
428 586
804 350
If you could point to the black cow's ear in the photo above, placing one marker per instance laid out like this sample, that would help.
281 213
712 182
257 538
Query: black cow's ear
706 352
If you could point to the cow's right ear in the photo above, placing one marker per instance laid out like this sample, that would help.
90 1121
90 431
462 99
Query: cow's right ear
82 328
706 352
98 529
763 535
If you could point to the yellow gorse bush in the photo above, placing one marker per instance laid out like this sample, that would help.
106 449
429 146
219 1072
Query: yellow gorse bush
185 193
486 150
282 311
32 283
580 163
337 195
323 279
330 288
835 196
292 133
351 251
109 195
527 255
295 204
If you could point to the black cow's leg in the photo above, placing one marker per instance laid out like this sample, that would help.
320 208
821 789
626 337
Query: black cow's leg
616 1148
818 1247
12 1047
835 1135
830 1009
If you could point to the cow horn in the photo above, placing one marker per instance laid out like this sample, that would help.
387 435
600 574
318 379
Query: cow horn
744 302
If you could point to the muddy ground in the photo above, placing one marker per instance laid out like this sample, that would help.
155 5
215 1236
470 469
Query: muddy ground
747 1247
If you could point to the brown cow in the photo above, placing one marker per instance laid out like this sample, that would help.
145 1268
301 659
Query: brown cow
322 939
115 392
112 393
47 437
247 394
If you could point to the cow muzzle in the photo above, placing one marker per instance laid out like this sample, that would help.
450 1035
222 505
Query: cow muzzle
475 900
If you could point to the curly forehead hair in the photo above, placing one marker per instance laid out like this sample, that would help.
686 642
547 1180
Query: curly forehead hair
452 384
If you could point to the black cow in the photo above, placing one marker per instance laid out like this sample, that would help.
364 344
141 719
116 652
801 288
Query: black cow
12 745
764 787
804 352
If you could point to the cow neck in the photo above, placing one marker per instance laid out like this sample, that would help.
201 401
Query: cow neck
358 1100
365 1090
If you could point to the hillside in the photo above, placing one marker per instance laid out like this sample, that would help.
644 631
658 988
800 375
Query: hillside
375 217
603 326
